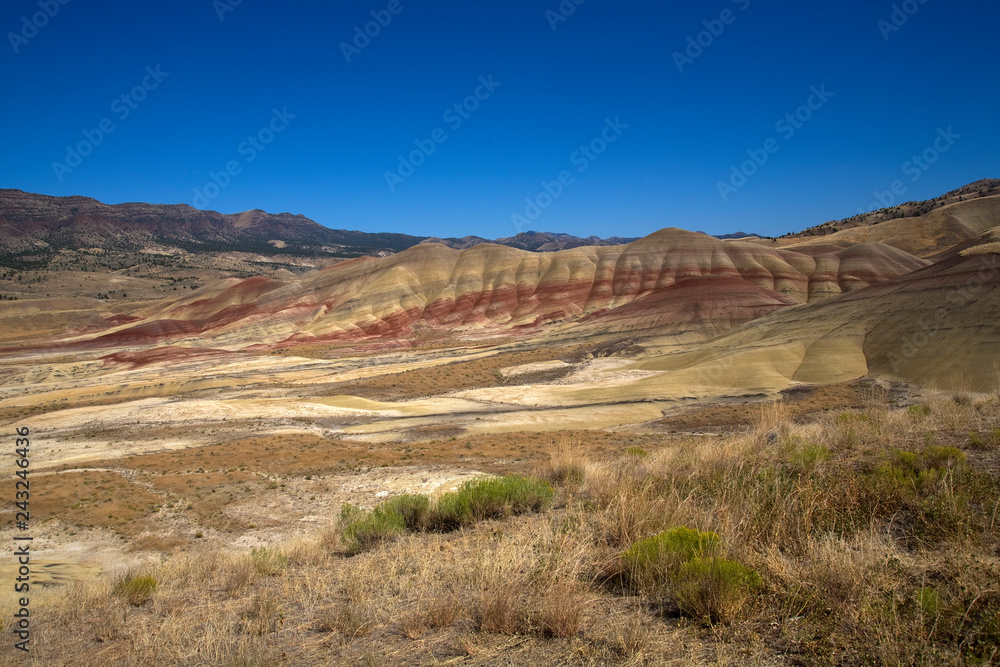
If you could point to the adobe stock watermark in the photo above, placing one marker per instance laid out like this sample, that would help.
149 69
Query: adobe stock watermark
582 159
249 148
223 7
31 26
565 9
788 125
714 28
363 37
455 116
915 168
899 17
122 107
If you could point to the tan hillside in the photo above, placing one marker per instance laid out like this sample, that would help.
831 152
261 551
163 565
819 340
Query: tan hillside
924 236
937 326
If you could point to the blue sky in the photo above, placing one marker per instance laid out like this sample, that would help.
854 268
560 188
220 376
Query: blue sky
660 131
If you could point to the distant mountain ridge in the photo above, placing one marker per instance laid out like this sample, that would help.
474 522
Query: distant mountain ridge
737 236
39 224
34 226
534 241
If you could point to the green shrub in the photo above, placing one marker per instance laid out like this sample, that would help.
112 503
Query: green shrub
268 561
926 466
930 602
684 564
714 589
136 590
452 510
807 456
362 531
414 509
637 452
491 498
652 563
853 418
942 457
917 411
935 494
474 501
906 461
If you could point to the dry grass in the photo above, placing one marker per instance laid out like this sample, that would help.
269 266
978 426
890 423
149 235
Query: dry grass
798 405
872 546
567 465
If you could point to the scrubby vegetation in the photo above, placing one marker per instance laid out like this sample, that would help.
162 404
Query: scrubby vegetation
684 566
135 590
476 500
268 561
864 538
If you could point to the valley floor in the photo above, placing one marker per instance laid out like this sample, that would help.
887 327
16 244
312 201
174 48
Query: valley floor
867 510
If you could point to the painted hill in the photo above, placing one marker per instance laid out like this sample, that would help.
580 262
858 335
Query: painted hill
936 326
673 279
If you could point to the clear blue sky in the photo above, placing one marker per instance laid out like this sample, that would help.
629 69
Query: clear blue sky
608 60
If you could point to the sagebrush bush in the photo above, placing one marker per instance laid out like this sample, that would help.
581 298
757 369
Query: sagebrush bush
942 457
415 510
920 472
714 589
929 601
652 563
363 531
935 495
491 498
136 590
853 418
476 500
684 565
